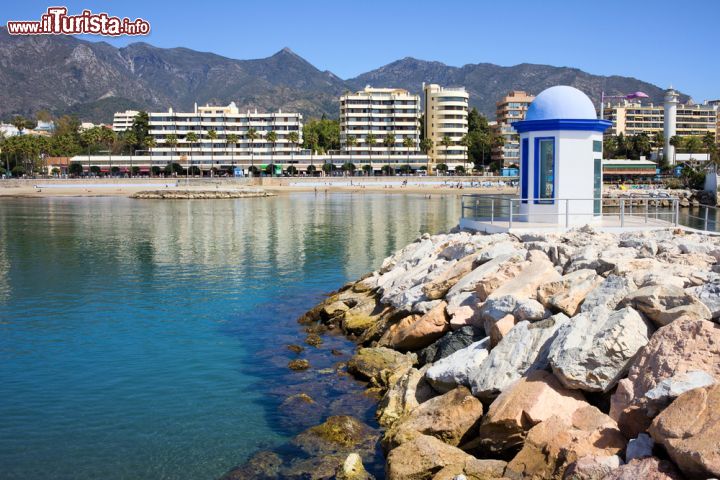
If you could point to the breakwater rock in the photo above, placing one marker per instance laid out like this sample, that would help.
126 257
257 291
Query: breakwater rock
177 194
577 355
686 197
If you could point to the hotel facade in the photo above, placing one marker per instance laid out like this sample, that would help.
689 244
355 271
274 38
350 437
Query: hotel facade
385 113
224 121
510 109
633 118
446 115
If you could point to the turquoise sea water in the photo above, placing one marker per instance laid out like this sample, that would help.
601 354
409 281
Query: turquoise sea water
146 340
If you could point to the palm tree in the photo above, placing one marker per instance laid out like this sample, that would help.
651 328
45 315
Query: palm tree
446 142
252 135
19 122
367 169
149 145
658 141
708 141
442 168
171 141
232 139
408 143
293 138
192 139
272 138
311 169
675 141
465 142
389 143
426 146
212 135
370 139
349 167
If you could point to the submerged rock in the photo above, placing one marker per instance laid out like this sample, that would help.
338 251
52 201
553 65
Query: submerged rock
300 364
263 465
352 469
424 456
376 364
338 434
404 394
451 417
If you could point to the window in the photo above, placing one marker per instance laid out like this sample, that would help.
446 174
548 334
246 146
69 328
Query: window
544 170
597 146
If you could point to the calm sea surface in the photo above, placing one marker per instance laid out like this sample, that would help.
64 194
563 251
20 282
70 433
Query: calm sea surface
146 340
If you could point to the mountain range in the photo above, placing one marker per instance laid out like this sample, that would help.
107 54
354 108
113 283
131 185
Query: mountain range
66 75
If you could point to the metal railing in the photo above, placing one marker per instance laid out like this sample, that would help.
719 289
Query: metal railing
631 210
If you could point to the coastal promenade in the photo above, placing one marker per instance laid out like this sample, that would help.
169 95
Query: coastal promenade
42 187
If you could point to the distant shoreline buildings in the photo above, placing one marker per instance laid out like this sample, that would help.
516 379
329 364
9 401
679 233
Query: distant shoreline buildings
446 123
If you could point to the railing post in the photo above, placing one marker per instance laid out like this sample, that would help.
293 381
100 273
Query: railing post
492 211
511 214
567 213
707 212
462 207
677 212
622 212
647 209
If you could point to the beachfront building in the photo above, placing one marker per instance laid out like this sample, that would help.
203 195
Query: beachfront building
122 121
622 169
8 130
446 123
510 109
377 114
253 134
632 117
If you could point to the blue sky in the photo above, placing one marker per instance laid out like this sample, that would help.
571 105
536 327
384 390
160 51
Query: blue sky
609 37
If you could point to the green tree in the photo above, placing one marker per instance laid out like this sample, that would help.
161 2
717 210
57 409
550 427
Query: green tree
658 142
212 135
370 140
349 167
291 170
446 141
155 170
272 138
252 135
75 169
232 140
387 170
367 169
293 137
676 142
171 140
134 170
19 122
409 145
426 146
311 170
442 168
460 170
192 139
350 142
68 125
328 168
95 170
389 143
322 134
140 127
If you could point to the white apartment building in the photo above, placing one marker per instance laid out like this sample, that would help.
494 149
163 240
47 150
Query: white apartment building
122 121
510 109
633 117
384 112
446 115
225 121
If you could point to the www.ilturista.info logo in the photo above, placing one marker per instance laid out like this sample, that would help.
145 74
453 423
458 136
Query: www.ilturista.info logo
57 22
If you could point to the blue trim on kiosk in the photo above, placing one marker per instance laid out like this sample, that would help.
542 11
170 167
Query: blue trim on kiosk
562 124
524 170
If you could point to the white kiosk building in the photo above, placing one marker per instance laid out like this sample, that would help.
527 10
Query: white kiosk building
561 142
561 158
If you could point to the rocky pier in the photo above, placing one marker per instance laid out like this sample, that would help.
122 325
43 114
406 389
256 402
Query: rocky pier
582 355
196 194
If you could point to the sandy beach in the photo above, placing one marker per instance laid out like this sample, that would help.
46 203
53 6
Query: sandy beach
126 187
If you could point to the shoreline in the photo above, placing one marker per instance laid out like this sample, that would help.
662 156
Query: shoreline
436 326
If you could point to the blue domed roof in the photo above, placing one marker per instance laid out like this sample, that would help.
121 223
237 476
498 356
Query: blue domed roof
561 102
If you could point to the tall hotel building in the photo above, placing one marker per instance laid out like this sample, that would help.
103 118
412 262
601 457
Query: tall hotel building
509 110
383 112
446 115
224 121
